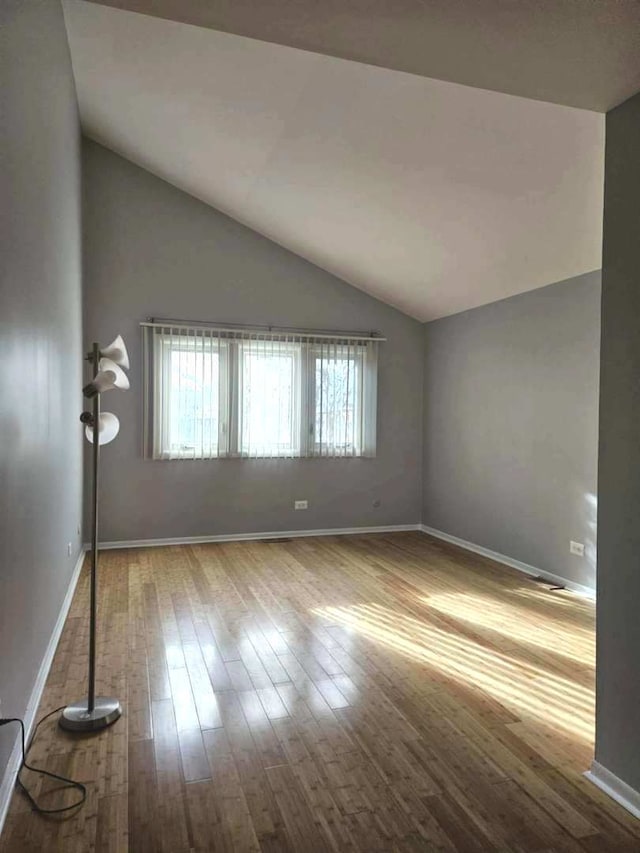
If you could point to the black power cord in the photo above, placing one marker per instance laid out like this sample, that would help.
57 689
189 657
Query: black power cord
69 783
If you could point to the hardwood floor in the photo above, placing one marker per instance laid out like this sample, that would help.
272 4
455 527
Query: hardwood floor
362 693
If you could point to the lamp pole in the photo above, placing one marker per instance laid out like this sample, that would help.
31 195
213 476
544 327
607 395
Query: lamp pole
95 359
94 712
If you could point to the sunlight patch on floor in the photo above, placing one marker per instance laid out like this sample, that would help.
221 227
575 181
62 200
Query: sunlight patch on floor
520 687
509 621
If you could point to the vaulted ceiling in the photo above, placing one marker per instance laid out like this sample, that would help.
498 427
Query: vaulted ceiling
428 194
581 53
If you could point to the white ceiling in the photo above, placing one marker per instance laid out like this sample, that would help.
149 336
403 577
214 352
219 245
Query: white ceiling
432 196
581 53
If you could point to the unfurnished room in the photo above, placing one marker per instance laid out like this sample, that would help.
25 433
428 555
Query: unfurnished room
319 426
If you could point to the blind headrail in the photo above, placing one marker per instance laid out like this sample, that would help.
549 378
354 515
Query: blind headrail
338 334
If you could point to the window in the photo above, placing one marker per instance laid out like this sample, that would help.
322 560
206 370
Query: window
337 400
190 410
213 393
269 383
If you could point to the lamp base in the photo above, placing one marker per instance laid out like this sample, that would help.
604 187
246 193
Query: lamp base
76 717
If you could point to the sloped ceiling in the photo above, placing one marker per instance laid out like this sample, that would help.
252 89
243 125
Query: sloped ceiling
581 53
432 196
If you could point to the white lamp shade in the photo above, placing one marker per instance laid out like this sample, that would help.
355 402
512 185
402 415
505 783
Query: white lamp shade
120 380
105 380
117 352
108 428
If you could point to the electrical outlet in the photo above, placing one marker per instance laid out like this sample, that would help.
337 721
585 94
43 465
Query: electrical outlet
69 549
301 505
576 548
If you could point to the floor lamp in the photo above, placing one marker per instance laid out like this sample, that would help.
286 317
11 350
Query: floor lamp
96 712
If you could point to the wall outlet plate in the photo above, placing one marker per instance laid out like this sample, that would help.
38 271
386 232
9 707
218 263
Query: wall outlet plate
576 548
301 505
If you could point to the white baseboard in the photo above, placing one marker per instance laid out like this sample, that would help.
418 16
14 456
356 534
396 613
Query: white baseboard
270 534
585 591
7 786
615 788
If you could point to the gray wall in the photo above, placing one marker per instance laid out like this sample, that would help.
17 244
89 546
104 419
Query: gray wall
511 426
618 608
151 250
40 342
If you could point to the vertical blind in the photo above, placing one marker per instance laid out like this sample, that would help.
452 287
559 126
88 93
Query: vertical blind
212 392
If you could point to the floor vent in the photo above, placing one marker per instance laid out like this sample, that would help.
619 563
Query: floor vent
551 584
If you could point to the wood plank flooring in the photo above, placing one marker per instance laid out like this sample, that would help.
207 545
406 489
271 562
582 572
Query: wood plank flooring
363 693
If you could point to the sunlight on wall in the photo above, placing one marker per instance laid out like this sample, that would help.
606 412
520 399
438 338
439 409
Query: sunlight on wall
522 688
511 622
590 546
